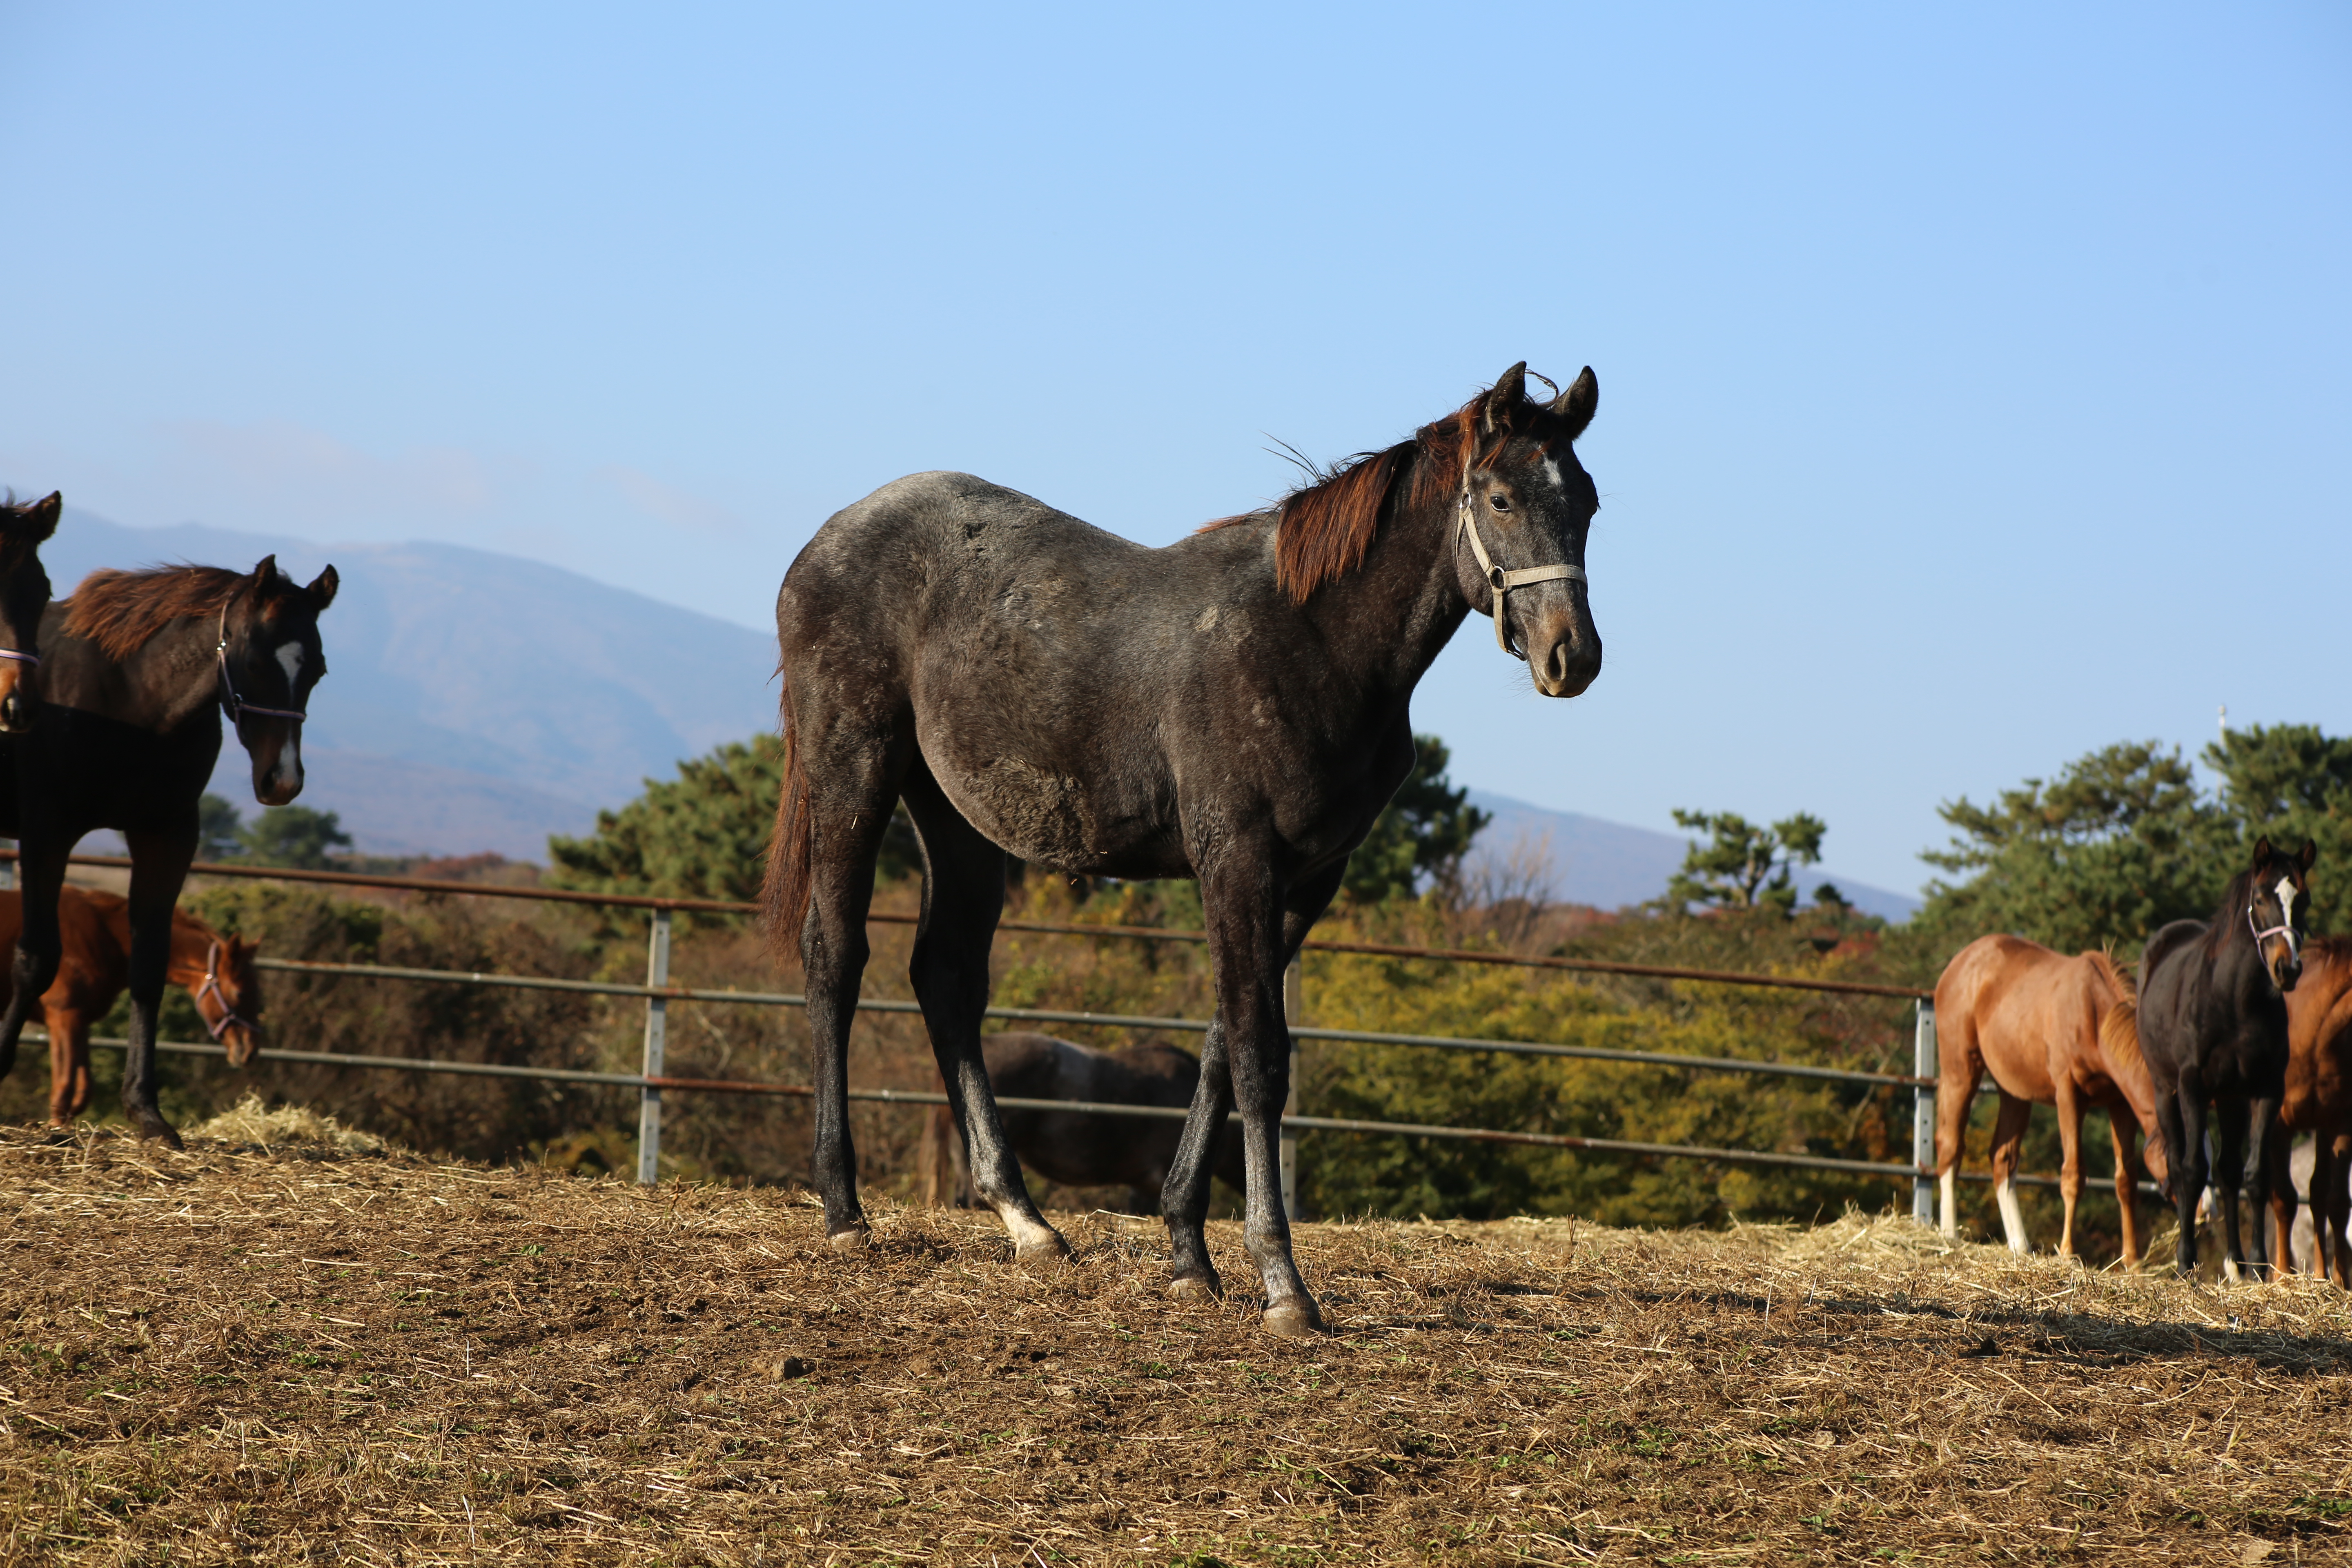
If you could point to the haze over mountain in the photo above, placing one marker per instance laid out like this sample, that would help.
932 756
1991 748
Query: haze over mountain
480 701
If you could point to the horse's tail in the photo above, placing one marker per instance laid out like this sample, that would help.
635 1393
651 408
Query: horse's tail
784 894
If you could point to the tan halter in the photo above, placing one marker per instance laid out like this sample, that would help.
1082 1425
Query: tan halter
1498 579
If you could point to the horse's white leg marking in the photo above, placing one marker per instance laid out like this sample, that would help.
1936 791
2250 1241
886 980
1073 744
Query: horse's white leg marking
289 660
1951 1207
1028 1235
2012 1218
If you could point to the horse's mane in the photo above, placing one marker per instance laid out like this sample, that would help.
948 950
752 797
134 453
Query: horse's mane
120 611
1325 527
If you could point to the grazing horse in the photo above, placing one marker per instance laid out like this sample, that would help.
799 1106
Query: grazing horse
2037 1022
141 666
1231 708
25 526
1078 1148
217 971
2317 1099
2212 1023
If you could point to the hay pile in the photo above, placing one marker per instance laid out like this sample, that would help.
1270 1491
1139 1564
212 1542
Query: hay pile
242 1353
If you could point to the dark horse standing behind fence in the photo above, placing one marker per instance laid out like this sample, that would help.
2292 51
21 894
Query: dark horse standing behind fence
2211 1019
128 734
1233 707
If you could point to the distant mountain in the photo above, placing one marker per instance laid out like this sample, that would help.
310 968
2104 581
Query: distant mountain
1579 859
473 700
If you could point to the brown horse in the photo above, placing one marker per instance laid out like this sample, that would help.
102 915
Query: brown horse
2042 1025
2318 1100
217 969
1075 1148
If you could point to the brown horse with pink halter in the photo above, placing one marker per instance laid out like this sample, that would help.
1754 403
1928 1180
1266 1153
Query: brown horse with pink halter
217 971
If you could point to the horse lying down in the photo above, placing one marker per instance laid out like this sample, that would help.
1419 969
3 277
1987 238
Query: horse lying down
1079 1149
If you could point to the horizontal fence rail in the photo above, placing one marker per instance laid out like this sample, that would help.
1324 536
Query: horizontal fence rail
1090 1108
1049 928
657 995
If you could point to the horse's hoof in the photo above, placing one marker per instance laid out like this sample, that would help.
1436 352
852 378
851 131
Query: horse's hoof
857 1238
153 1128
1194 1288
1294 1319
1040 1256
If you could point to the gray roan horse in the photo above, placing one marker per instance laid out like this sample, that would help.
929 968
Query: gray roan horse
2212 1026
1231 708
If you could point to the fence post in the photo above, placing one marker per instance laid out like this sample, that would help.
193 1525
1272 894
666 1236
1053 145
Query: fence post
1293 985
1923 1114
649 1103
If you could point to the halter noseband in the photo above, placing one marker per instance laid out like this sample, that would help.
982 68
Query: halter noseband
32 659
1500 580
2285 928
236 706
211 988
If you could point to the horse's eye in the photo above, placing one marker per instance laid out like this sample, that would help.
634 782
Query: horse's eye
1500 502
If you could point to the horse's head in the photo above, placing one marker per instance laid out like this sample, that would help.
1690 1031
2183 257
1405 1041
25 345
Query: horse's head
1523 507
270 659
24 595
2278 901
229 999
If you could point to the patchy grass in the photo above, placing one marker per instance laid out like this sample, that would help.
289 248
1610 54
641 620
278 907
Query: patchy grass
273 1349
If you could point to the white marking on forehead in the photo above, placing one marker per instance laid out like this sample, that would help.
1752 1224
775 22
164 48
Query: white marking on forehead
1551 472
289 660
2286 900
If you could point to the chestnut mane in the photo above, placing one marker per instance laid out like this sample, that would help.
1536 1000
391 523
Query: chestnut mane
1324 529
120 611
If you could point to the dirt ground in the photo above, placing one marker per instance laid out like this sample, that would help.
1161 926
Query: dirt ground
274 1348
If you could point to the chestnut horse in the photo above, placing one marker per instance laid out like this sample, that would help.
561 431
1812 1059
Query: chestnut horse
2211 1020
1233 707
139 667
1078 1148
217 970
2318 1100
2037 1022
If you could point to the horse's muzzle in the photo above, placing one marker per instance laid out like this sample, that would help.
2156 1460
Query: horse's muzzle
2284 974
16 713
1566 667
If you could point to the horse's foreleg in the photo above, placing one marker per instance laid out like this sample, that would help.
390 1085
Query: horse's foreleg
2330 1222
2007 1142
40 946
159 866
2262 1133
2229 1180
964 894
68 1063
2070 1164
1184 1195
2278 1180
2181 1117
1963 1070
2125 1129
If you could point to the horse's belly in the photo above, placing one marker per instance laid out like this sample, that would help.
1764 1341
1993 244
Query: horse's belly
1055 819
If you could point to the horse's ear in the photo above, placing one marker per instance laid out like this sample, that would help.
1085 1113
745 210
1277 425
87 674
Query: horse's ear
323 588
1510 390
2310 853
265 570
1579 403
42 515
2262 851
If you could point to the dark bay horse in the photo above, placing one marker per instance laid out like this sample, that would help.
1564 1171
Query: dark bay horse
1076 1147
216 971
2317 1099
1231 708
25 526
2211 1020
2038 1021
139 668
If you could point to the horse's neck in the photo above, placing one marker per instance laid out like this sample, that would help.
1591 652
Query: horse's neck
162 683
1386 622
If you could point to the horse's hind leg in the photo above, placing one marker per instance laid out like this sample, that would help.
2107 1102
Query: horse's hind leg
2278 1186
2126 1131
964 894
2008 1142
2070 1166
2331 1164
40 945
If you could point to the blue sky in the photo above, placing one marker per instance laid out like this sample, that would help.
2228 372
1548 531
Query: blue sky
1973 380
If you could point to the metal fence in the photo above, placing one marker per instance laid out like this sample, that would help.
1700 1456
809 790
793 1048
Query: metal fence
651 1082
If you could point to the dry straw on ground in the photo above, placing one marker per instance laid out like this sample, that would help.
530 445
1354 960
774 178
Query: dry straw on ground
275 1349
